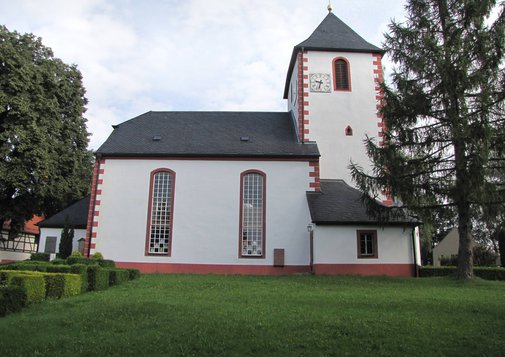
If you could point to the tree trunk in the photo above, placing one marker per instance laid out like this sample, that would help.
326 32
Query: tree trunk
465 251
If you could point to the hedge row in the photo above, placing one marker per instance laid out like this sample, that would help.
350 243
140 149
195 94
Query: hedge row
487 273
32 281
12 299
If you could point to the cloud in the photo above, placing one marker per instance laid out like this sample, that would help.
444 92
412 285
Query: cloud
183 55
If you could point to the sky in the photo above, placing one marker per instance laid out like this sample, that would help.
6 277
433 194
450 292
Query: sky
184 55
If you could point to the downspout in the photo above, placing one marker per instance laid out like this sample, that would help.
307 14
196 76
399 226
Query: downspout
414 251
310 228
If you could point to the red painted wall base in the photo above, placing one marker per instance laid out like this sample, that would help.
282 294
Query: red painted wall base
365 269
319 269
165 268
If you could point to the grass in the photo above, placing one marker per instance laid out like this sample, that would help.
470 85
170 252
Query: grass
194 315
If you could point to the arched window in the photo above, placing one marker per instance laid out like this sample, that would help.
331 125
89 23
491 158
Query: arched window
161 208
348 131
341 74
252 214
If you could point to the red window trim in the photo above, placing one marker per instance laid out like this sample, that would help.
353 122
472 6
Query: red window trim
148 226
241 205
375 254
335 74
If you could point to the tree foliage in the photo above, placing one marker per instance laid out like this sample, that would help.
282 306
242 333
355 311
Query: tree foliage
444 112
44 161
66 240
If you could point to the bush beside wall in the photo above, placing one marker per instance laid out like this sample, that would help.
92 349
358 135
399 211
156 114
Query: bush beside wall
98 278
133 274
12 299
33 284
60 285
488 273
44 257
82 270
118 276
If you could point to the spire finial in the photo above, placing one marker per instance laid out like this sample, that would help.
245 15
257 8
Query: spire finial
329 6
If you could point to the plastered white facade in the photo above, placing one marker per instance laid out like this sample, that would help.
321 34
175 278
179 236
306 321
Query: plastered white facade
327 115
338 245
56 232
205 213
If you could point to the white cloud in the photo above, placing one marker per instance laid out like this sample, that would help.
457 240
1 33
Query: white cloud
183 55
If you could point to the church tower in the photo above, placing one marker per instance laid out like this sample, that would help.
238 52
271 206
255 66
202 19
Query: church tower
332 88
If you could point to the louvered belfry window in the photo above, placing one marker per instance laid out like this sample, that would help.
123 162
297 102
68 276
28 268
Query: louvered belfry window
341 75
160 213
252 214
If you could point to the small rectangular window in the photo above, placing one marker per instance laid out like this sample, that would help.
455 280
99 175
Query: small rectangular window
50 245
367 244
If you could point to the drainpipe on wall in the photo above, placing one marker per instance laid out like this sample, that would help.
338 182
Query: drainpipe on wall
415 248
310 228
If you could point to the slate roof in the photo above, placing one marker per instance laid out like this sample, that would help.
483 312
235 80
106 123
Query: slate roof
332 34
216 134
77 214
339 203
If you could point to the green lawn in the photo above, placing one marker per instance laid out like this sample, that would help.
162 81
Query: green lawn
194 315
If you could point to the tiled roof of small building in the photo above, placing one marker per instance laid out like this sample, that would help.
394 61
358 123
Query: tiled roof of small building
76 213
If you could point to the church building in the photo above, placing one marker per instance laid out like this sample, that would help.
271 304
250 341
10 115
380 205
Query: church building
255 192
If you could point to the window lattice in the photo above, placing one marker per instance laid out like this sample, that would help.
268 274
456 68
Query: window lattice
252 215
161 209
341 75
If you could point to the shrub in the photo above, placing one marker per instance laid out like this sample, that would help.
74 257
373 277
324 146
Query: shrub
66 238
76 253
449 261
44 257
133 274
98 278
58 261
62 285
82 270
106 263
33 284
59 269
118 276
12 299
97 256
80 260
25 266
488 273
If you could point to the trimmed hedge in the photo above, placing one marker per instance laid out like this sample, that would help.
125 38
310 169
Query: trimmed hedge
44 257
33 284
487 273
71 260
98 278
106 263
133 274
82 270
118 276
59 269
60 285
12 299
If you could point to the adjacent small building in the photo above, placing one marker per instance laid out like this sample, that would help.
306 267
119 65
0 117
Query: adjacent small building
76 217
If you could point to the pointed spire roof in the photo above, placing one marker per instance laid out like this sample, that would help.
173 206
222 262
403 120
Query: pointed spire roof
332 34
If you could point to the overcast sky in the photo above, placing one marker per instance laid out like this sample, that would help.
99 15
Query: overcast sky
141 55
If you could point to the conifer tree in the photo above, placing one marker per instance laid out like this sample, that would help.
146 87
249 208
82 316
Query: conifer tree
44 161
66 240
444 115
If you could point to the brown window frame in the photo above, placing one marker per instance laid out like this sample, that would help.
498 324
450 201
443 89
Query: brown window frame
149 213
336 75
241 225
374 254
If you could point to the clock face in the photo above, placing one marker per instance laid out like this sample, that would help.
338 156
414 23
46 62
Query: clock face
320 82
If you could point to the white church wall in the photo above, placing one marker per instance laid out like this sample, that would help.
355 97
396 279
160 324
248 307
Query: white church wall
336 251
329 114
206 211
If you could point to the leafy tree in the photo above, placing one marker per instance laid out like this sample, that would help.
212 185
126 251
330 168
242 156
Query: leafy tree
444 114
66 240
44 161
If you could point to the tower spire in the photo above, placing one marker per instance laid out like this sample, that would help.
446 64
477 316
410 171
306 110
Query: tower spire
329 7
